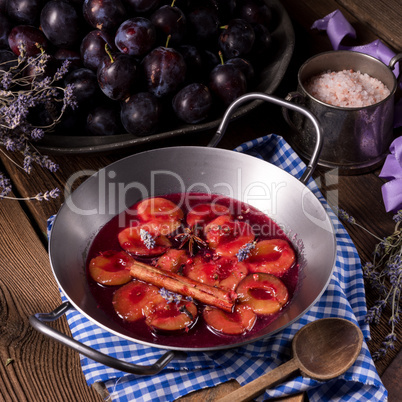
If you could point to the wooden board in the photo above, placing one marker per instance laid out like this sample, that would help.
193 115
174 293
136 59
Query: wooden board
39 369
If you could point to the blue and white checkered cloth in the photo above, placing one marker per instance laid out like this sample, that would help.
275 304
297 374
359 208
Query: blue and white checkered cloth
344 297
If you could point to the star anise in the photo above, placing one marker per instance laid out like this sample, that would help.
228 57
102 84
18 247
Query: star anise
192 237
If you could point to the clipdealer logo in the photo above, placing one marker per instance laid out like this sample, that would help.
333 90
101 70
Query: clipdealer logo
114 196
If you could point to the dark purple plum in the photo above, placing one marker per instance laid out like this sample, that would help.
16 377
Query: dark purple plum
136 36
5 28
194 62
227 83
24 12
254 12
262 48
225 9
184 5
104 120
203 22
28 35
170 21
245 67
140 114
209 61
237 39
192 103
118 76
60 23
165 70
85 84
105 15
92 48
141 6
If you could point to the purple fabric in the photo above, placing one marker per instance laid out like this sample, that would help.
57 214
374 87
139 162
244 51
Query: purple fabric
392 170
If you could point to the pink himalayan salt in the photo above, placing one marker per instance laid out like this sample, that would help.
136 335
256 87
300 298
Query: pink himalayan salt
346 88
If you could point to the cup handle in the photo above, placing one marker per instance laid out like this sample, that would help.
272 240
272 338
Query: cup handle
296 97
391 65
393 61
38 322
284 104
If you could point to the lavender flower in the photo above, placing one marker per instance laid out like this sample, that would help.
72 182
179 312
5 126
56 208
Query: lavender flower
47 195
384 274
5 185
387 344
19 94
374 313
344 216
37 133
245 251
171 297
6 80
398 217
147 239
62 70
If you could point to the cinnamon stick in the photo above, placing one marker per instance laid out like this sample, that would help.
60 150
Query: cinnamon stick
206 294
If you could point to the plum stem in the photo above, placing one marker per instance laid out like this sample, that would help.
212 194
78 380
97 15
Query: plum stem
221 57
168 40
107 50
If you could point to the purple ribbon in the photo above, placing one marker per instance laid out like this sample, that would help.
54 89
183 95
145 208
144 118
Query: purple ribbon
337 28
392 170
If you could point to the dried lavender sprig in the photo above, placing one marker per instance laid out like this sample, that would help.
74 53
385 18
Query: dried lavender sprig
147 239
16 131
47 196
398 216
172 297
5 184
245 251
345 217
387 344
384 274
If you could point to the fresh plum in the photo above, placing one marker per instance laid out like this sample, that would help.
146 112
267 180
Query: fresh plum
141 113
136 36
192 103
165 71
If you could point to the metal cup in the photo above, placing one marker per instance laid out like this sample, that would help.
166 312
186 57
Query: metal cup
356 139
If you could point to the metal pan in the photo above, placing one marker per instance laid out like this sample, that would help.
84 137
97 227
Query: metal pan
180 169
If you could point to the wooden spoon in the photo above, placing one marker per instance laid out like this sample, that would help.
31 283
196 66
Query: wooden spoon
322 350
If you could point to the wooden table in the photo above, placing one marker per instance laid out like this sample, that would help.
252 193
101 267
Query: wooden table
40 369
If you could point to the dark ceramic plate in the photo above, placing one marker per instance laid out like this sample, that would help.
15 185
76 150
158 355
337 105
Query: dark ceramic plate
270 78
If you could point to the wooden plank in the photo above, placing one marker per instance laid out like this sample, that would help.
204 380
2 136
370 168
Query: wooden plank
215 393
360 196
39 369
376 15
312 41
392 379
41 180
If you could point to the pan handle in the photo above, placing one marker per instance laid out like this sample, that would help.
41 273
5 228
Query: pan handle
281 102
38 322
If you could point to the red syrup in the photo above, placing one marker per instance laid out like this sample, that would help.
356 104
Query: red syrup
199 336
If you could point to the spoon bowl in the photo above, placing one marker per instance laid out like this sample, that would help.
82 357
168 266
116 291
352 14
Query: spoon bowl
326 348
322 350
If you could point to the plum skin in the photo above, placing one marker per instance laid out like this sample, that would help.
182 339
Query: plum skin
192 103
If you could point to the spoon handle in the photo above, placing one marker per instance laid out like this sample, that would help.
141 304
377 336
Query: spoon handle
256 387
